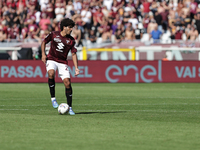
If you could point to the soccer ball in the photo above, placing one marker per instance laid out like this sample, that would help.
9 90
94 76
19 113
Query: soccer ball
63 108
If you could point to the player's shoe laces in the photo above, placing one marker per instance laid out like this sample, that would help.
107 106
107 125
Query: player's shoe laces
54 103
71 112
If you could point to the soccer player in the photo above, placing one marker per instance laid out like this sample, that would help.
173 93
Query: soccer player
61 43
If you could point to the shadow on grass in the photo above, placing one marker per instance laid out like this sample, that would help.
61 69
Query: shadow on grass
100 112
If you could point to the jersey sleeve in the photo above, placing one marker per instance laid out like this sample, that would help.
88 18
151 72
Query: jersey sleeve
48 38
73 49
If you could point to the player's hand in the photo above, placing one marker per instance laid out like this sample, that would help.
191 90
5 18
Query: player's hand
44 59
77 71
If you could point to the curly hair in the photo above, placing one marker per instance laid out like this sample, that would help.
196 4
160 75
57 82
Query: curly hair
67 22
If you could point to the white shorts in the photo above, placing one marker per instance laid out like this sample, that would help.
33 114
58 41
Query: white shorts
63 70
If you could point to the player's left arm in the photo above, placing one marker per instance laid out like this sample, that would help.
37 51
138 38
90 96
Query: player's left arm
75 61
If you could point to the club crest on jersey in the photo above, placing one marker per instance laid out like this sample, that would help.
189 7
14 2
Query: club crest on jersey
67 41
57 40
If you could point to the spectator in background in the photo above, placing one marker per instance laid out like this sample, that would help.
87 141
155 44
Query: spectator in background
173 30
126 17
55 25
155 35
33 30
20 16
32 5
145 22
44 22
24 33
3 36
179 8
94 27
114 26
59 9
165 58
154 7
118 36
185 10
145 7
50 10
105 12
115 6
186 19
13 33
172 15
129 33
158 19
192 34
21 4
179 21
10 15
188 28
11 4
133 20
98 16
138 33
92 37
86 16
197 23
108 4
105 31
69 8
151 26
77 6
164 15
130 6
76 33
193 8
179 33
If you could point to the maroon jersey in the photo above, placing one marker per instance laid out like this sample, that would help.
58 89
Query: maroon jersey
60 46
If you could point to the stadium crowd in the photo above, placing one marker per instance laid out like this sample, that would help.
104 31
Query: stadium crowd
110 20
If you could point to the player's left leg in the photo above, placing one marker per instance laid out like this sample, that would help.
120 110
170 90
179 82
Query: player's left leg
68 93
65 76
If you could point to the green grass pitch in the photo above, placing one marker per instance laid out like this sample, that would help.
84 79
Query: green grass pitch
156 116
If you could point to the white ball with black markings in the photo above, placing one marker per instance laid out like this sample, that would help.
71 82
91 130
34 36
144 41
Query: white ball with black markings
63 108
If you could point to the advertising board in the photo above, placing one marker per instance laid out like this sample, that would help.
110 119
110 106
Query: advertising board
30 71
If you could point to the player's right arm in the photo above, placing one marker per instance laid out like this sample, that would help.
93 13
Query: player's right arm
47 39
43 45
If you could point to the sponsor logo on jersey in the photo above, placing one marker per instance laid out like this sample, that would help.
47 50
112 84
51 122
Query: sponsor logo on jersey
57 40
60 46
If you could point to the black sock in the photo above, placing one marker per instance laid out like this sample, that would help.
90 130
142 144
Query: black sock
68 93
51 83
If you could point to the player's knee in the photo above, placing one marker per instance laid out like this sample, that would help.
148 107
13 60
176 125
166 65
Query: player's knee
67 83
51 74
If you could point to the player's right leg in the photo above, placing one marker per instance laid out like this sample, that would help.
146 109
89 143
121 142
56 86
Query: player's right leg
51 69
